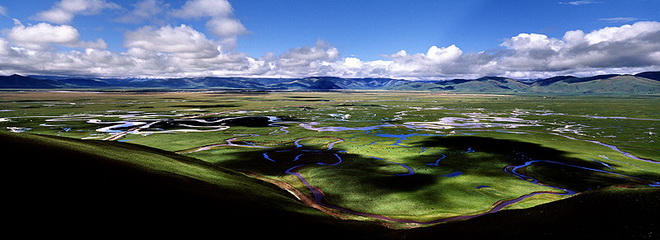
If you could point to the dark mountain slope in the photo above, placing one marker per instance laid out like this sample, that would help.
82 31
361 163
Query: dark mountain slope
603 84
649 75
491 84
605 214
59 186
548 81
18 81
323 84
84 82
588 79
56 186
642 83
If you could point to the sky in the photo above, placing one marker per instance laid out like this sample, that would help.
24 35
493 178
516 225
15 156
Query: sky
406 39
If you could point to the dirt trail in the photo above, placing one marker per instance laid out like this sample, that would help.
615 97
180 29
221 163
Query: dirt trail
302 197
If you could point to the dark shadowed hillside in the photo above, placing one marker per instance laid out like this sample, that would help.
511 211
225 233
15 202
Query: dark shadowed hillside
18 81
649 75
56 186
69 187
604 84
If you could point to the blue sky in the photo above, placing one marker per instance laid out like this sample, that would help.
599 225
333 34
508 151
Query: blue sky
415 39
370 28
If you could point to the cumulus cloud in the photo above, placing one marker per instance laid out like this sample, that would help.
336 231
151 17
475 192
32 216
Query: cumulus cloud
182 51
221 23
527 42
637 33
44 35
611 47
315 60
226 27
64 11
204 8
139 62
624 48
353 63
182 41
442 63
5 47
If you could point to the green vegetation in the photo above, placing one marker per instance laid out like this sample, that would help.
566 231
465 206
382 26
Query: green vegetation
400 159
66 186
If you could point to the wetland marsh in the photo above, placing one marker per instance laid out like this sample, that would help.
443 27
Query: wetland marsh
402 159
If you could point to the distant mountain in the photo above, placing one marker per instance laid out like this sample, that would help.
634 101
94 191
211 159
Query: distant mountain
18 81
484 85
602 84
649 75
548 81
642 83
83 82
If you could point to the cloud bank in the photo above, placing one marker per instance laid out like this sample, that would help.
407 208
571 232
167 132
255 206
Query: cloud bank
55 47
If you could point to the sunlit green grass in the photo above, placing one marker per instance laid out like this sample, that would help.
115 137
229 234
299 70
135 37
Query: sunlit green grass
368 180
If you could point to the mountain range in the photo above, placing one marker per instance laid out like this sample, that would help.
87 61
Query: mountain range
641 83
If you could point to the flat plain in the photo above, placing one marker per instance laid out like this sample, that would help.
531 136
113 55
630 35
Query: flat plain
403 160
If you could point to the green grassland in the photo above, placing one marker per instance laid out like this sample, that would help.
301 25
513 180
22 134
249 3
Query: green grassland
54 186
399 159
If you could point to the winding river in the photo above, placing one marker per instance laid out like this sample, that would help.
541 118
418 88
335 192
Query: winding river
514 170
121 128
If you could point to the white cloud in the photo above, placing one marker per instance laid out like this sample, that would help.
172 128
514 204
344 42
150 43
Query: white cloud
221 23
112 64
608 48
443 55
181 51
525 42
353 63
226 27
182 41
43 35
56 15
437 61
623 33
204 8
64 11
5 47
633 47
307 61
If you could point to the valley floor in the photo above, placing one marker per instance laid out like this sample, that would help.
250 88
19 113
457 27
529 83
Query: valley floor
398 159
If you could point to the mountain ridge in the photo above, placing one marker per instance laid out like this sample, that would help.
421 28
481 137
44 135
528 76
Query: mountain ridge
641 83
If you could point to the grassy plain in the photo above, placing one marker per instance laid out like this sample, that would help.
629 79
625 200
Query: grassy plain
404 158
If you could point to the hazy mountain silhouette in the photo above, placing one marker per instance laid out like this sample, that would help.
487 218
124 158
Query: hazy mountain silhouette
642 83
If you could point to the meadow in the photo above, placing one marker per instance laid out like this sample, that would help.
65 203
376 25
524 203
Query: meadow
399 159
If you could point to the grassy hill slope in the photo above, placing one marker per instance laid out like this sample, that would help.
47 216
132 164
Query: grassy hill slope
70 187
605 214
53 186
621 84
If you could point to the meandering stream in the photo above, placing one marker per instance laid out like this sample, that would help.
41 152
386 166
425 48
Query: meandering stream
514 170
458 125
